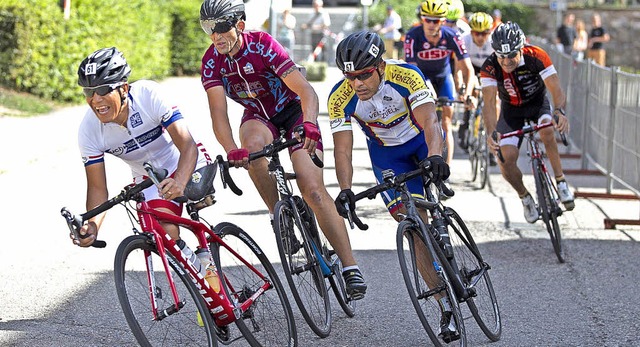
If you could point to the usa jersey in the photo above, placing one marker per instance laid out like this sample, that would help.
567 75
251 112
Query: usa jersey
144 139
251 76
523 85
433 60
387 118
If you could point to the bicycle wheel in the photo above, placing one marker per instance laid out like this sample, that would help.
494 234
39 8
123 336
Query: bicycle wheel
180 328
483 158
337 284
548 205
475 276
334 267
269 320
302 269
424 294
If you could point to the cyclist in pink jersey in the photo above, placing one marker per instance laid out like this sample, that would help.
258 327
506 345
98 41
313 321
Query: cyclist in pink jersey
254 70
137 124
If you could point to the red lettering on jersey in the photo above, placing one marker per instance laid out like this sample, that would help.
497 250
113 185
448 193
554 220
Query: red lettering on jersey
433 54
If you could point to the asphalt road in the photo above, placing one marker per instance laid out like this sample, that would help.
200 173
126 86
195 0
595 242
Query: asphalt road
55 294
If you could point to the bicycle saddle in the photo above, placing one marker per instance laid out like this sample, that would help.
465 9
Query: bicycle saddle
201 182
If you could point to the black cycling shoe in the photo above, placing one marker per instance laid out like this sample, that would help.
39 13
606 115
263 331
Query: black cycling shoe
356 287
448 329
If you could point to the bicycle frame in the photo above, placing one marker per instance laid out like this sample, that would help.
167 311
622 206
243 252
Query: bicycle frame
223 309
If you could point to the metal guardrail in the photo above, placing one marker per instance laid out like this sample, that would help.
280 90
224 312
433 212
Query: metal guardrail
603 105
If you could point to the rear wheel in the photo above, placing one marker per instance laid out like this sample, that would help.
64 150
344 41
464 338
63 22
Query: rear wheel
269 320
190 325
475 276
302 269
426 284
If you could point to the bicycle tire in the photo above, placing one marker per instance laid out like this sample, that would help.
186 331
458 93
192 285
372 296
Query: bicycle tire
422 298
483 304
331 259
548 207
132 285
483 149
302 269
269 321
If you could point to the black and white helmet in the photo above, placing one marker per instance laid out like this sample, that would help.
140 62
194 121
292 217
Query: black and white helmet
359 50
507 38
104 66
231 10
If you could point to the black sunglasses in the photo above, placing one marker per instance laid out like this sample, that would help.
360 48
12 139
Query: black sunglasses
510 55
101 90
364 75
218 26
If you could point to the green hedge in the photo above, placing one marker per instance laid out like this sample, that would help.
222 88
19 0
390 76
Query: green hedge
40 51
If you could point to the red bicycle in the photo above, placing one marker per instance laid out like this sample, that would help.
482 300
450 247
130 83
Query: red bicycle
167 301
546 191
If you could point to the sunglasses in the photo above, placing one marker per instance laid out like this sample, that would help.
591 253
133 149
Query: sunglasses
431 20
480 33
101 90
364 75
217 26
510 55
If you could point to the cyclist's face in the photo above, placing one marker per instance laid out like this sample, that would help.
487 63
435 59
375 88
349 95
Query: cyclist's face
366 81
431 25
507 63
108 107
480 37
228 42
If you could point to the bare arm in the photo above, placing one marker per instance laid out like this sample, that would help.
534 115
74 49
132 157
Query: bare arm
428 119
308 97
467 74
97 193
343 152
220 119
559 101
186 164
489 116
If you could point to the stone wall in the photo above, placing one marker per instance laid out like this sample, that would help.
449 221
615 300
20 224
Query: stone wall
623 27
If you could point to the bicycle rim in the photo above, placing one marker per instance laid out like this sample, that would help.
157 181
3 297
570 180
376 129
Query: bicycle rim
339 287
302 270
483 303
483 151
553 227
181 328
423 296
269 320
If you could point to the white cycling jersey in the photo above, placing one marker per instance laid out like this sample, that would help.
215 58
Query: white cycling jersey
477 54
144 139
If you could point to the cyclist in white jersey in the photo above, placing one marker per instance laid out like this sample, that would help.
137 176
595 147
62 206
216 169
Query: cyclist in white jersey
137 124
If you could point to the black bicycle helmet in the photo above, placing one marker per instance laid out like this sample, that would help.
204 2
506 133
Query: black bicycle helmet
104 66
359 50
232 10
507 38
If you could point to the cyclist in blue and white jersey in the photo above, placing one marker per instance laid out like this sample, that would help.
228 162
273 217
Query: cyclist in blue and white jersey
430 46
136 123
394 105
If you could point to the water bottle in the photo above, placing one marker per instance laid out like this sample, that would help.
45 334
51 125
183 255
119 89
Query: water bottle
211 276
204 256
193 258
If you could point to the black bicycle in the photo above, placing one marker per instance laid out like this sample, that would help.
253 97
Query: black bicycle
438 259
304 251
476 138
547 192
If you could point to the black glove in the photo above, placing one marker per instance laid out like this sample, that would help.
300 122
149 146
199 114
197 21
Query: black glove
439 168
346 196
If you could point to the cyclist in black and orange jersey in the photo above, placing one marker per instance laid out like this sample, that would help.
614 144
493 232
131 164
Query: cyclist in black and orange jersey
522 74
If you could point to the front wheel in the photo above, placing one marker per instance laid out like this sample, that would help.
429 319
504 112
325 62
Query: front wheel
427 283
483 158
269 321
474 272
138 267
549 208
301 267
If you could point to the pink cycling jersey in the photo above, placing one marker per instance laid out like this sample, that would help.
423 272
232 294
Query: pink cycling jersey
251 76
